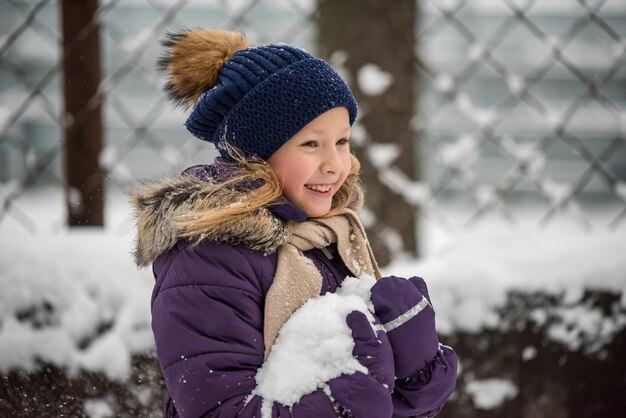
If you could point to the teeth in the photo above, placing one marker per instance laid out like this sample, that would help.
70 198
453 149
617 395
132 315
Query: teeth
320 188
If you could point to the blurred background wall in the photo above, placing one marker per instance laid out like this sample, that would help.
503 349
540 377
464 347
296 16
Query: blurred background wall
472 113
495 107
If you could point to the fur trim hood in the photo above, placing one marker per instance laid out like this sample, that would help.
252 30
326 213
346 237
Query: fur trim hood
158 205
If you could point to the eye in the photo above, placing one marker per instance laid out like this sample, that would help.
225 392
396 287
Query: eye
311 143
343 141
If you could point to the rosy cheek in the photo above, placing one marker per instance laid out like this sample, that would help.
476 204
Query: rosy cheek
341 181
347 168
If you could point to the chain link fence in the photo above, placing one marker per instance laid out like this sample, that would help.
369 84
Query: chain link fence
473 113
524 102
520 107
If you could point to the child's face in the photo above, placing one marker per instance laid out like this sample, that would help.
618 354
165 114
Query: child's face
315 162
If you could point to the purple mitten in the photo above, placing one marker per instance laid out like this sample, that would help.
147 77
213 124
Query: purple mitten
365 396
404 308
372 349
420 284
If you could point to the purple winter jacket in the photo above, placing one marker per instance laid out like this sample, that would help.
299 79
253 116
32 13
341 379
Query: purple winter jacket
208 304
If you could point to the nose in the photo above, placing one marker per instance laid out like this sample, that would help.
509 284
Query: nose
331 161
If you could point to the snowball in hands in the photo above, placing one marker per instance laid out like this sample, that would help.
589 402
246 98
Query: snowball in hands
314 346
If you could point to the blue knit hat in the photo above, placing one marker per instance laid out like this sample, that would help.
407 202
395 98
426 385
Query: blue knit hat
261 96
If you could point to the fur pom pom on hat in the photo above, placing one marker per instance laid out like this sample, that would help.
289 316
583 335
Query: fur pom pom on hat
253 98
194 60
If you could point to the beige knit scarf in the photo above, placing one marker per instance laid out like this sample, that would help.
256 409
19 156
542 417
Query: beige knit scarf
297 279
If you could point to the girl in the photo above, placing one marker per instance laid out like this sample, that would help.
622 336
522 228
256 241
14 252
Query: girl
239 245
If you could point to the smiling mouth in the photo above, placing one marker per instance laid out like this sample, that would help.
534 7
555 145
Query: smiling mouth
320 188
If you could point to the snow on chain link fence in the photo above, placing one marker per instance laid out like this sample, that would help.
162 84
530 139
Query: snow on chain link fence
519 107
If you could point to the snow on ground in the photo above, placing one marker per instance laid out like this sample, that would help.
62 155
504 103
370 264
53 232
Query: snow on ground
75 299
470 274
491 393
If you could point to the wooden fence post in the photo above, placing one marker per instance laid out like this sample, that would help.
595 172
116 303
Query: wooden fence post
380 33
83 120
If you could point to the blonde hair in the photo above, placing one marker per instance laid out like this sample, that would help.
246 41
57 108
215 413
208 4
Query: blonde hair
258 186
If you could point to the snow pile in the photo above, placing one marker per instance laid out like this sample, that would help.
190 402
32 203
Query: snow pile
580 326
470 275
491 393
74 300
314 346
